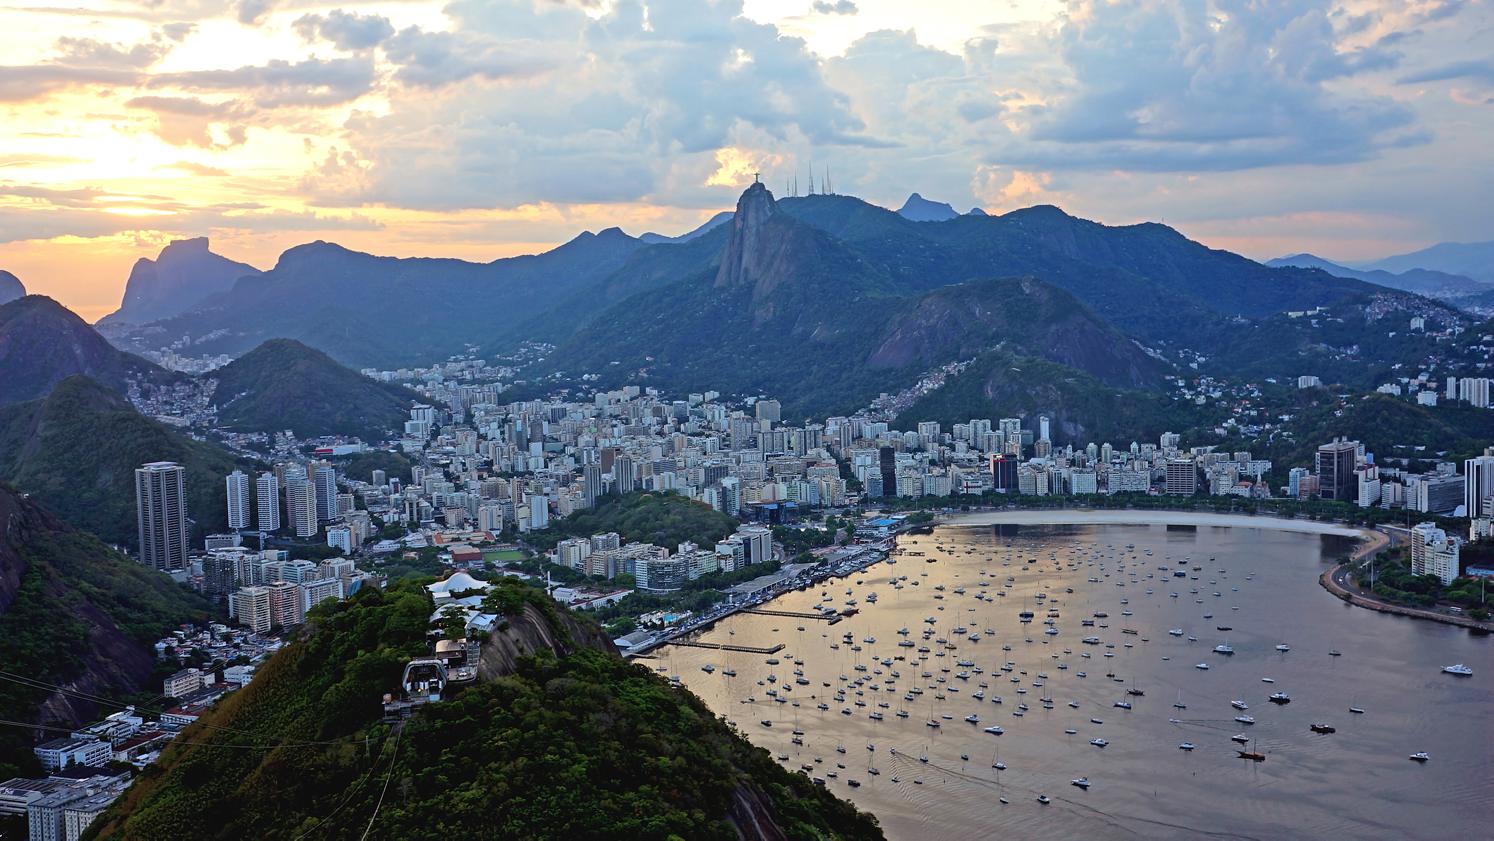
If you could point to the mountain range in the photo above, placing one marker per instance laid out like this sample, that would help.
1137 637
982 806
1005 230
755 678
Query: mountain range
1469 259
824 301
1430 282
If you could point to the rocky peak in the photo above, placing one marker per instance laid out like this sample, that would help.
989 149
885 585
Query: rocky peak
10 287
743 262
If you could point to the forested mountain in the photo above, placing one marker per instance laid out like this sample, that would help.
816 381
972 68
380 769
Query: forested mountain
75 451
283 384
42 343
76 614
792 310
558 738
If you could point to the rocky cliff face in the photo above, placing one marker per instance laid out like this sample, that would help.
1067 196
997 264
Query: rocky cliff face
532 631
183 275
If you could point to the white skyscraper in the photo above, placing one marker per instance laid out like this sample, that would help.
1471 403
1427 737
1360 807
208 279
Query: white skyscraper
324 476
161 514
267 498
238 500
1478 485
300 501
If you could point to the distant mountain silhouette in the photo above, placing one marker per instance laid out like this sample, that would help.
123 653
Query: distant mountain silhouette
920 209
10 287
1470 259
185 274
710 224
1440 285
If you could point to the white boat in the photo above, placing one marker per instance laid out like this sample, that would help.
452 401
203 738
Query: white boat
1420 756
1245 719
1177 632
1283 647
1459 669
1223 648
995 730
1099 743
1202 666
1082 782
1239 705
1187 746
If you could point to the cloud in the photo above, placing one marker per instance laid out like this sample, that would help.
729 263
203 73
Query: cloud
838 7
186 120
1231 85
547 103
347 30
437 59
251 12
27 83
1479 70
88 52
278 83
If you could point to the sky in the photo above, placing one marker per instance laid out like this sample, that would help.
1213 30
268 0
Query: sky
480 129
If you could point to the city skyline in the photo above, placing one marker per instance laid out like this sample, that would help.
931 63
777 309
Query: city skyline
1348 129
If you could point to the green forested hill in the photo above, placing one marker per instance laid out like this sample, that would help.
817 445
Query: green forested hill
665 519
570 742
73 612
283 384
76 452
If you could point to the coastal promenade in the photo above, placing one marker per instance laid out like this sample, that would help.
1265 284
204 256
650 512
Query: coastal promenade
1339 581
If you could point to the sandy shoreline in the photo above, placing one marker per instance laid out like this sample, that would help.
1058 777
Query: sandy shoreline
1098 517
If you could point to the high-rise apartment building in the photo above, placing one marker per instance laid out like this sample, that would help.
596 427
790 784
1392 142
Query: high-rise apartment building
1478 485
1434 552
161 514
1182 477
300 501
324 476
267 500
1336 463
238 500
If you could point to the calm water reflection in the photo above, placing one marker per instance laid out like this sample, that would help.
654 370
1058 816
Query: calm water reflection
1354 783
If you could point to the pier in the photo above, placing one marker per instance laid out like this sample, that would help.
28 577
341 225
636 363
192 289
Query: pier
795 614
722 646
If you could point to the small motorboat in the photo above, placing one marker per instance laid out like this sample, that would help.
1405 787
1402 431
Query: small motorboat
1420 756
1186 746
1043 799
1099 743
1081 782
1321 728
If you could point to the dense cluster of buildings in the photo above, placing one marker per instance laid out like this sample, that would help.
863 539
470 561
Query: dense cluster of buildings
653 567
